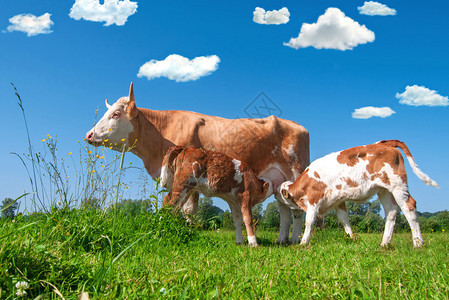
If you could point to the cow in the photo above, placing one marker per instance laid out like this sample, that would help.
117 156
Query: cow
214 174
357 174
274 148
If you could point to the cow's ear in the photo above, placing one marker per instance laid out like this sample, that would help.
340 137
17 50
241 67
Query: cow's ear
285 193
131 110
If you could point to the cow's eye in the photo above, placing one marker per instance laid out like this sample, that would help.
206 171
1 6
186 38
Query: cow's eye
116 115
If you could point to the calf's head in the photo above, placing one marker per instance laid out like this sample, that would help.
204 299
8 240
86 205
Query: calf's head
114 129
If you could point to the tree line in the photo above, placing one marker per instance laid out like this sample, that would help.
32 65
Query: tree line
364 217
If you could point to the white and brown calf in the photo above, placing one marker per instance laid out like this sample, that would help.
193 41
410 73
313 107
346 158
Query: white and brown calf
188 170
357 174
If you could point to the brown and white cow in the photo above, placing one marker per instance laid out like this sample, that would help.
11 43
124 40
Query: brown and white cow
274 148
357 174
214 174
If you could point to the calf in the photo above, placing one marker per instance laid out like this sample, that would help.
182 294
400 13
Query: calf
357 174
188 170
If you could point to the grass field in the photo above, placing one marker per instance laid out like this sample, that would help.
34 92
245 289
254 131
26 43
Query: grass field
110 256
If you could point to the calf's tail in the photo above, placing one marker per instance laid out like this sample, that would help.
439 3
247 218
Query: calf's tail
421 175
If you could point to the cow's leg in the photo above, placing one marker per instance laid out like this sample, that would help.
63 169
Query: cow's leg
310 220
297 225
343 217
238 220
284 214
248 218
391 209
191 206
408 207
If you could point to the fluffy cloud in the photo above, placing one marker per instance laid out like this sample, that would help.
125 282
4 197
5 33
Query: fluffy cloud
372 8
111 12
421 96
275 17
179 68
333 30
30 24
370 111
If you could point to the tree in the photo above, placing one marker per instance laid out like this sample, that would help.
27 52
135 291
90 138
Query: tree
209 215
9 207
257 212
360 209
128 207
228 222
271 217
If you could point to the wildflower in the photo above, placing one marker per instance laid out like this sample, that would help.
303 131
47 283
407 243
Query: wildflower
21 286
58 203
48 135
443 230
102 166
162 290
89 152
110 129
67 177
43 140
123 140
106 140
97 156
93 171
70 153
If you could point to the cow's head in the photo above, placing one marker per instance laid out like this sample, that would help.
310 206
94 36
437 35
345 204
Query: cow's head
283 190
114 128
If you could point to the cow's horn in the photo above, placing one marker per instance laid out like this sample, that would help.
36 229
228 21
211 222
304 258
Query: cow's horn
107 104
131 92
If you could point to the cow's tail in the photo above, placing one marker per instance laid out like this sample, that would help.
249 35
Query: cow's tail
421 175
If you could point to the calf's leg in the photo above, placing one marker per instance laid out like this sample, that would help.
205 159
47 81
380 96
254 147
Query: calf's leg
408 207
391 209
310 219
343 217
248 218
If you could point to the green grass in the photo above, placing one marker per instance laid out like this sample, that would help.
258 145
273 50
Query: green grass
154 256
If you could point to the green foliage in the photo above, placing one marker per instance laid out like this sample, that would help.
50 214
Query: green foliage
9 207
76 249
228 222
271 218
361 209
154 255
209 216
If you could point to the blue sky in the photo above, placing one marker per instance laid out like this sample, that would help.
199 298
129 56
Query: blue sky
64 73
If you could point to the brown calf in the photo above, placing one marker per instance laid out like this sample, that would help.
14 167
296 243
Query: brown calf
188 170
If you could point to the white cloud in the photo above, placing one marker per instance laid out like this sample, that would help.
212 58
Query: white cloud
333 30
370 111
31 24
275 17
111 12
421 96
179 68
372 8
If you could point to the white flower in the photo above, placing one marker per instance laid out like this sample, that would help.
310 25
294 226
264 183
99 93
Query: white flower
22 285
21 293
162 290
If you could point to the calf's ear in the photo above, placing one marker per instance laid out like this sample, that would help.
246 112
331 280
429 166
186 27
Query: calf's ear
285 193
131 110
